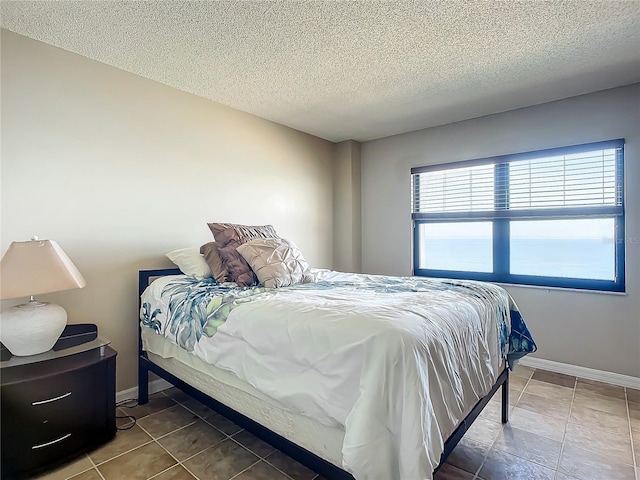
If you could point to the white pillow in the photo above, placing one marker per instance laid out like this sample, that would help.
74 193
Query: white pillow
276 262
191 262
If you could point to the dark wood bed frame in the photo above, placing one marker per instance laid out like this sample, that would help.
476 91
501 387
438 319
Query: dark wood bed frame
312 461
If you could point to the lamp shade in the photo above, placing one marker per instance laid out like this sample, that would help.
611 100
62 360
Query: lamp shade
35 267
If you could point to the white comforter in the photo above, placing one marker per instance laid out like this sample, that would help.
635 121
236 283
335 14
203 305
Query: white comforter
398 371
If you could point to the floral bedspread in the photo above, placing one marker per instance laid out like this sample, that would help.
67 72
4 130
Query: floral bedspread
199 307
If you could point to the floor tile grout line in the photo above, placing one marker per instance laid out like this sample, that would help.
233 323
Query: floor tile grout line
176 459
226 437
536 411
96 467
213 412
566 425
590 452
603 431
529 460
596 428
484 459
160 473
546 416
151 439
174 431
260 458
179 428
567 417
555 469
607 399
608 413
633 453
187 469
523 389
242 471
255 453
179 462
569 421
285 474
526 460
200 416
149 414
82 471
219 429
164 410
230 437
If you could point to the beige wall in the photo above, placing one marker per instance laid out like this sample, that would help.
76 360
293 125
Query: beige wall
599 331
347 218
119 170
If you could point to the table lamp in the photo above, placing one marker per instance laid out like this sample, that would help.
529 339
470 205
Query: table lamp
28 269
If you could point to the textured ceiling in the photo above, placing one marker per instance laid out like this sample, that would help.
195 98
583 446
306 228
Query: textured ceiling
357 69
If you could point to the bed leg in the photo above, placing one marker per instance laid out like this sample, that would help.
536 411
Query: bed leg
143 385
505 399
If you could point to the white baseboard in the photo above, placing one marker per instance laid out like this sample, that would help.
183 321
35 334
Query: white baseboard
583 372
132 393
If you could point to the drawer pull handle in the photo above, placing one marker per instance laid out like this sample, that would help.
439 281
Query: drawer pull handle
51 399
35 447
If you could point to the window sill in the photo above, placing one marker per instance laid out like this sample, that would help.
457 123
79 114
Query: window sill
562 289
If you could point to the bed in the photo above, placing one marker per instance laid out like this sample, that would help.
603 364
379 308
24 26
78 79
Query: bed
380 405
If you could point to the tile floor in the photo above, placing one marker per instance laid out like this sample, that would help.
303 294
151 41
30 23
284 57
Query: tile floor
560 428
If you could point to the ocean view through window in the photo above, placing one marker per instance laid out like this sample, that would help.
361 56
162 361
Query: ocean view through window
550 218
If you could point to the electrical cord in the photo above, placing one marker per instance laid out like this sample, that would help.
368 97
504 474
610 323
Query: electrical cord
129 403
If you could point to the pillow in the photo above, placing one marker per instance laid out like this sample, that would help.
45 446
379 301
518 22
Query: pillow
190 262
210 252
276 262
229 240
216 228
243 230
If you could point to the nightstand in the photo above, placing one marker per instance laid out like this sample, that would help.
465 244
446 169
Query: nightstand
58 404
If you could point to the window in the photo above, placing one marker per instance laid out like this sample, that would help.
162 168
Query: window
549 218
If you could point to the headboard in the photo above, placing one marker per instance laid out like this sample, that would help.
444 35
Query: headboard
145 277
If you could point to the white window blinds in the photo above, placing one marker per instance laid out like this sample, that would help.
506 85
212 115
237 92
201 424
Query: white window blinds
576 181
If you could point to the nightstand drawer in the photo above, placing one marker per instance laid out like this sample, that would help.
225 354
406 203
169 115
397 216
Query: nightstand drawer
26 458
42 409
51 390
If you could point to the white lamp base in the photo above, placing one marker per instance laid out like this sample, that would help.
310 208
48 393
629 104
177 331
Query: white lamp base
32 328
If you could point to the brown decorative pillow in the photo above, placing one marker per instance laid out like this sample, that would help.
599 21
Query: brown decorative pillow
276 262
216 228
228 241
211 256
243 230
